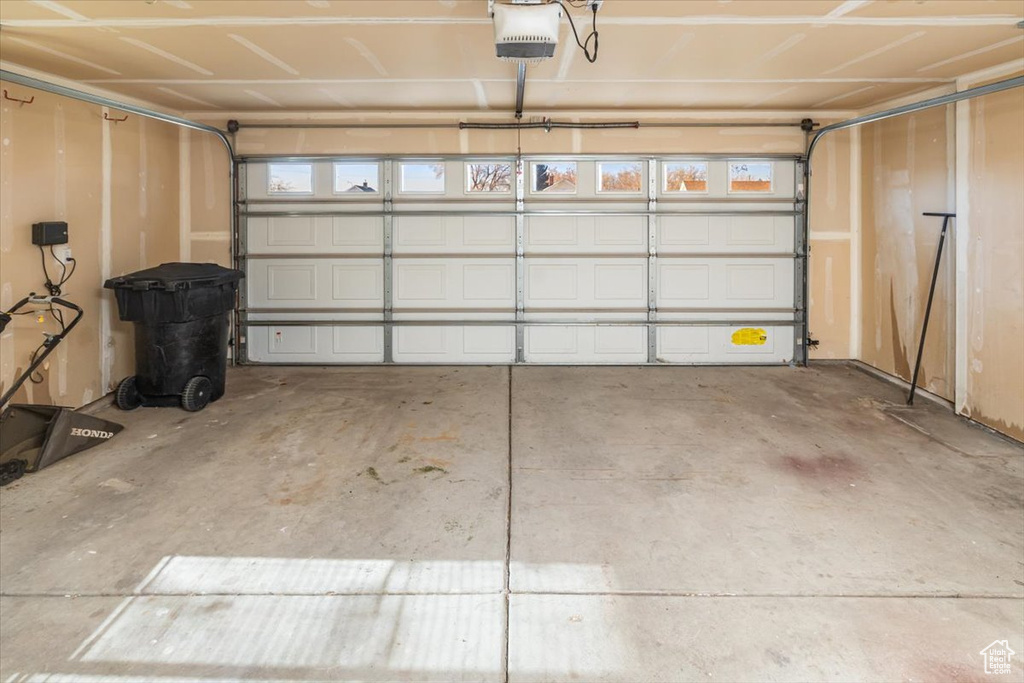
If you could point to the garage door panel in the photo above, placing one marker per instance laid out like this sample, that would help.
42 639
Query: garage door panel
356 283
683 282
749 281
721 344
544 233
585 344
451 283
496 233
315 283
316 344
750 231
315 234
586 234
358 234
454 344
586 283
454 234
291 283
413 233
421 282
289 231
683 231
725 283
725 234
617 282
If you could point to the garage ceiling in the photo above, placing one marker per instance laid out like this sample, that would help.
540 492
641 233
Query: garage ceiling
215 55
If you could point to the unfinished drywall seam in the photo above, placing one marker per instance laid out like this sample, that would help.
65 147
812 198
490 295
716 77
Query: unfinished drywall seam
143 171
60 195
689 20
6 239
251 117
1010 68
106 247
949 258
961 238
81 86
855 243
184 195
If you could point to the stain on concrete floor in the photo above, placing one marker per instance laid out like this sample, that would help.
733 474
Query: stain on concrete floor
355 524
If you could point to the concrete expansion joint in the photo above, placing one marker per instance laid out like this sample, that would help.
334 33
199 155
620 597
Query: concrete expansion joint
507 593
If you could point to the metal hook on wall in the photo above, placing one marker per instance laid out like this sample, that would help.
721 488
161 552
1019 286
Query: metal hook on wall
108 117
19 101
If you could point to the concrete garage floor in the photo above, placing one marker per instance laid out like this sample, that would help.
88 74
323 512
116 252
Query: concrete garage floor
665 524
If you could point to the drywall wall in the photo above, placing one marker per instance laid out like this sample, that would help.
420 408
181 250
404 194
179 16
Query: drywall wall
992 152
116 185
907 168
830 222
206 224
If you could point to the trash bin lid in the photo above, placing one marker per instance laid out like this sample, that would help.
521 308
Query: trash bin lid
176 276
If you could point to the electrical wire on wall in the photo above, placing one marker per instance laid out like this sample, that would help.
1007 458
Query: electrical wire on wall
53 289
585 44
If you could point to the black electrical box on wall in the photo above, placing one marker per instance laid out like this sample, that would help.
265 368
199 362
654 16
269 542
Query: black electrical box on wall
49 232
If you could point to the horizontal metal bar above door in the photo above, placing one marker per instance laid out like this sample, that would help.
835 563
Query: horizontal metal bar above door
530 255
248 158
513 323
695 198
509 214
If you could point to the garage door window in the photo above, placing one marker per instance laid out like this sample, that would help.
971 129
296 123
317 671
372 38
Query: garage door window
685 176
553 177
355 179
620 177
423 178
489 178
290 179
750 177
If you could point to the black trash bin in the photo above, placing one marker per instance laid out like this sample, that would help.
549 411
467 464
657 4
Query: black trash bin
182 316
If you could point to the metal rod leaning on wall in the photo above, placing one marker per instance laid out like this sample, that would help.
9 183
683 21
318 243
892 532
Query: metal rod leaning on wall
940 101
64 91
928 306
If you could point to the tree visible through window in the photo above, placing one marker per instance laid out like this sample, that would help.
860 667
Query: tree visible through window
488 177
748 176
290 178
555 177
617 176
686 176
424 177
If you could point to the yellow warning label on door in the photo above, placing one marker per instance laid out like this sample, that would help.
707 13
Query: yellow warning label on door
749 336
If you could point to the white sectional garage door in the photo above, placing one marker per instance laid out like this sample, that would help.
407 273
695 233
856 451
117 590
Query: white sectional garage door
626 260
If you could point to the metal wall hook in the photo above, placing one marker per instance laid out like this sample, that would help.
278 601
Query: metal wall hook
108 117
19 101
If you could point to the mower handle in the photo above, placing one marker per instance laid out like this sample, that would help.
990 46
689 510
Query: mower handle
51 341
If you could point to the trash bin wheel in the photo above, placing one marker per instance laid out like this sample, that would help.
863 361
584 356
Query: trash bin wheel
197 394
127 396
